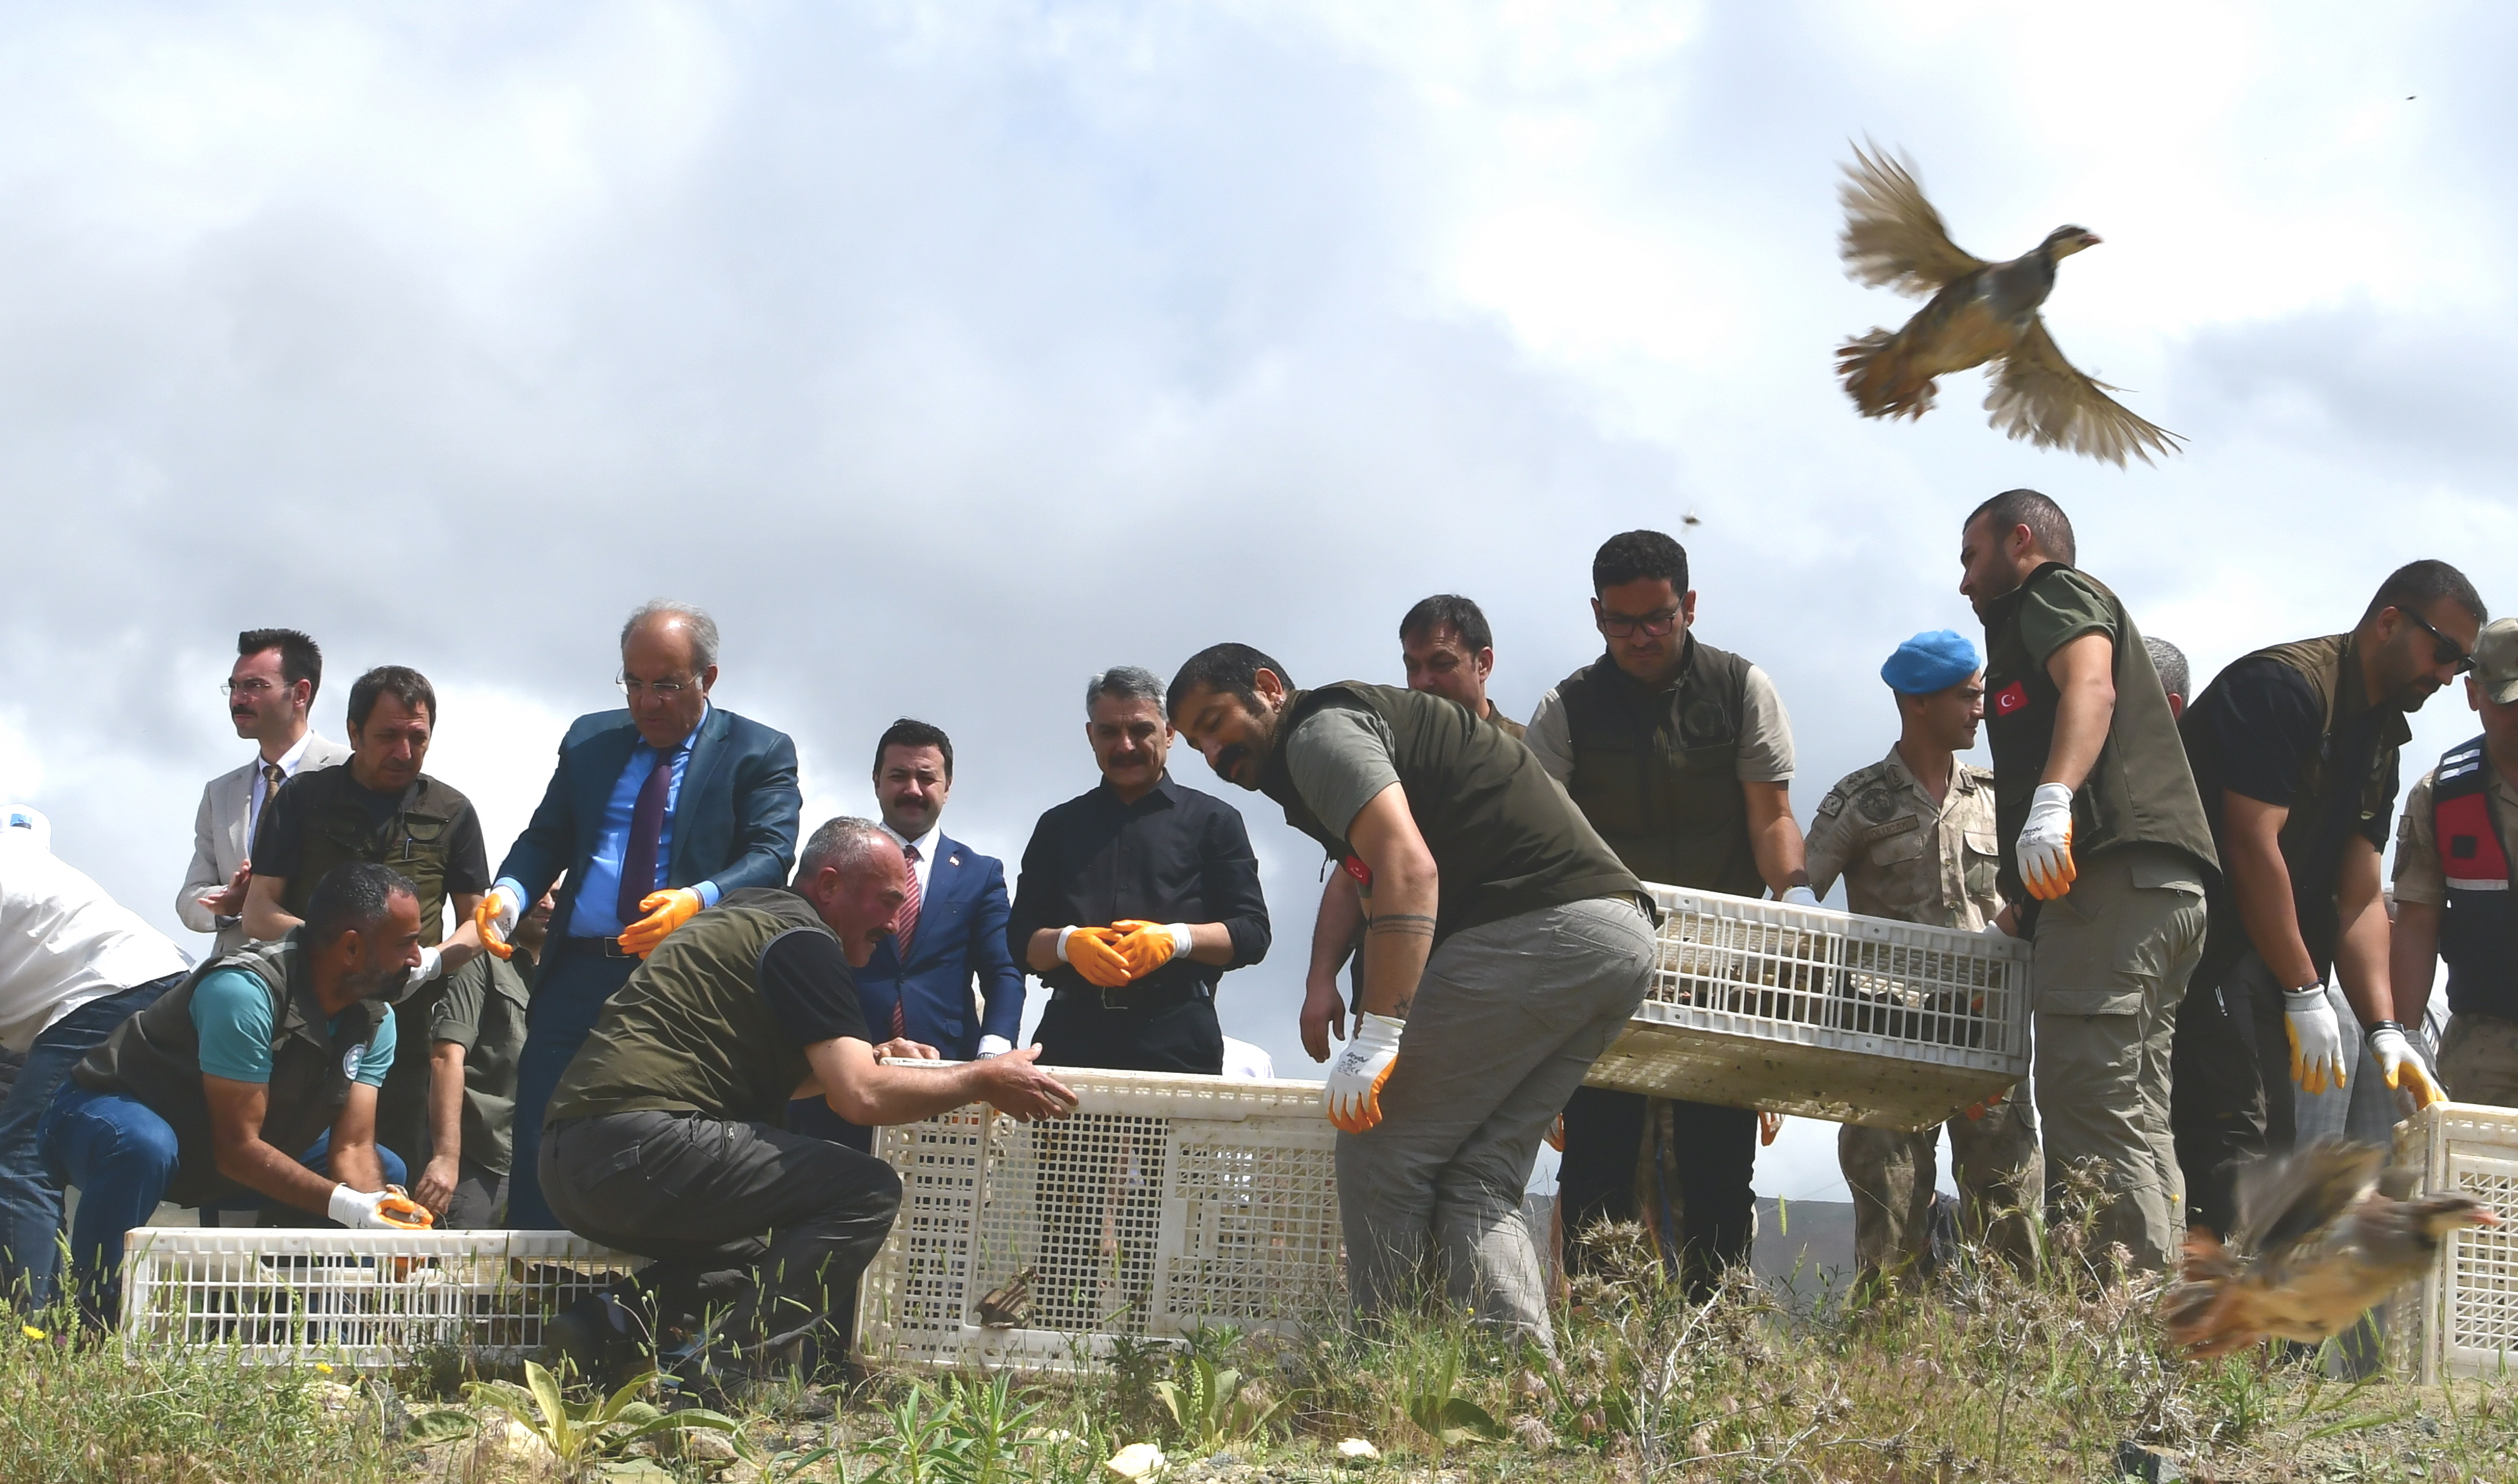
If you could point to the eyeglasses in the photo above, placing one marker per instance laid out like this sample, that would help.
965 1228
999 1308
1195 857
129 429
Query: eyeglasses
252 685
1657 625
2447 650
662 690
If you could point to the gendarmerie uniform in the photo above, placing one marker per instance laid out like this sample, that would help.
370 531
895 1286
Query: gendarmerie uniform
2290 726
2454 852
1908 858
1656 771
2114 953
1541 951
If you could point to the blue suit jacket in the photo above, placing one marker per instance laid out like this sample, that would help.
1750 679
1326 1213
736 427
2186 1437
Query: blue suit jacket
734 821
961 936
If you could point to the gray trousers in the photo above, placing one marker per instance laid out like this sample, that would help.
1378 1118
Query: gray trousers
761 1229
1892 1174
1507 1022
2114 954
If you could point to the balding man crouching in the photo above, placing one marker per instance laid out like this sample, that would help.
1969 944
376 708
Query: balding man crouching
664 1141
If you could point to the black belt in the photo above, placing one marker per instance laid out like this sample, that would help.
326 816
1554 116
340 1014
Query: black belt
1131 997
604 947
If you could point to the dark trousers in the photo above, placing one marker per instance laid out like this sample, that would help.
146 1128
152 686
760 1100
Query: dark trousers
814 1116
1176 1034
2230 1101
563 1009
30 1199
478 1190
756 1230
1714 1150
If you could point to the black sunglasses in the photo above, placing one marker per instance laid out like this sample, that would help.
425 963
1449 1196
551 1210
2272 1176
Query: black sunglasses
2447 651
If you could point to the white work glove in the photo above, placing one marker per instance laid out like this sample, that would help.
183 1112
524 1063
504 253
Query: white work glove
2045 848
2402 1061
495 920
431 964
2315 1039
994 1046
1993 930
1354 1092
1799 896
377 1210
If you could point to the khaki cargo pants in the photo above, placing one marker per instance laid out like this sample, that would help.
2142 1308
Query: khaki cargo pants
1891 1172
2113 958
2478 1060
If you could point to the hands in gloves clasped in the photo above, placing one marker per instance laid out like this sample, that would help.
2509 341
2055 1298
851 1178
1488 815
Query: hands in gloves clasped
1126 951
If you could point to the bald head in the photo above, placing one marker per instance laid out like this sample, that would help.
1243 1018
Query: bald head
855 877
667 663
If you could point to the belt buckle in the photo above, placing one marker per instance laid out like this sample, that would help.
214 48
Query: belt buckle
612 948
1114 996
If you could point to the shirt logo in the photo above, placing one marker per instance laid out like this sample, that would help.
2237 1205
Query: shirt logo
2011 699
351 1060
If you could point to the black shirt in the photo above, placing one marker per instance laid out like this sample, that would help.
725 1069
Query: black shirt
1175 855
812 991
279 835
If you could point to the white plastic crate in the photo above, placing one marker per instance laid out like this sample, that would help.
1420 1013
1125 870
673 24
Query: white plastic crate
2462 1319
1165 1203
1826 1014
371 1301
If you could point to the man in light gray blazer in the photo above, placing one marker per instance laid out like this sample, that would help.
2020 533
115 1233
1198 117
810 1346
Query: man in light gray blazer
270 693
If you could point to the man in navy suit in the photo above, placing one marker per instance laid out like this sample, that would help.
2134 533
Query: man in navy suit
654 812
950 934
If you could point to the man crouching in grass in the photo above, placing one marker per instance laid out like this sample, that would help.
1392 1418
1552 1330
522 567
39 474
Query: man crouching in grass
664 1136
1502 936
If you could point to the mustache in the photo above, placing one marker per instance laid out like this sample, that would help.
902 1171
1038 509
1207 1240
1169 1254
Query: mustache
1231 757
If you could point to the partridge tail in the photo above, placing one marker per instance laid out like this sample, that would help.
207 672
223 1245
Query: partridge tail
1881 376
2202 1312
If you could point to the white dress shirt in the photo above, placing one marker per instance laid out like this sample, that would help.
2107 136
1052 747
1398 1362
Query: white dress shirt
289 763
925 865
64 942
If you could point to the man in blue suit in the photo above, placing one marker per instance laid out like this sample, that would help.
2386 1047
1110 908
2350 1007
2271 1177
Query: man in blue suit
950 934
655 812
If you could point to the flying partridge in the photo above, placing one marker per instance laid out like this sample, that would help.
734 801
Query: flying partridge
1979 311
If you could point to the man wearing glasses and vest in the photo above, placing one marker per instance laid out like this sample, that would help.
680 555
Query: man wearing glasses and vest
1680 756
2294 752
653 813
2454 897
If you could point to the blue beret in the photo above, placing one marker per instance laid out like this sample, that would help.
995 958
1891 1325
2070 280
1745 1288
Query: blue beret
1929 662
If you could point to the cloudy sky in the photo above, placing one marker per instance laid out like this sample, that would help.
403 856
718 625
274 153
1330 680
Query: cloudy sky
950 353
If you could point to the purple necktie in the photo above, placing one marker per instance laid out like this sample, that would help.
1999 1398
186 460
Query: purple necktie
646 834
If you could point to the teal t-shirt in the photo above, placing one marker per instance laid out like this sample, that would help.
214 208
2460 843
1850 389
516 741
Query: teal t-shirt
232 1015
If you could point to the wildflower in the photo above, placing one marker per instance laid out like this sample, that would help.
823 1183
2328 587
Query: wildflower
323 1368
32 1332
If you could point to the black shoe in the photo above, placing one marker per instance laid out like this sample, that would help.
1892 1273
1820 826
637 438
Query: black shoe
600 1338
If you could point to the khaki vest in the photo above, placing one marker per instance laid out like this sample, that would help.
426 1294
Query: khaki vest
155 1058
413 840
1657 770
1501 833
690 1031
2141 791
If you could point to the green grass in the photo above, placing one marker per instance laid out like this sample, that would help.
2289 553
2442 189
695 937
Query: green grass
1986 1374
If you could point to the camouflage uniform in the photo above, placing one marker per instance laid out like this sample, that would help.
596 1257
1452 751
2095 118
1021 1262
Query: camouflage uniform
1904 857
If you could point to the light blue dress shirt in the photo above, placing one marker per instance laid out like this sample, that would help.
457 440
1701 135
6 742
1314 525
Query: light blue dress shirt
595 914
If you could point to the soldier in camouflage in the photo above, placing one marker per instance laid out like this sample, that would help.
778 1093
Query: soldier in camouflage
1914 837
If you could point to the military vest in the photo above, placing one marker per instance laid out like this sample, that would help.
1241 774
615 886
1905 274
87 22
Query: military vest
155 1058
690 1032
2478 925
1657 770
1503 838
2331 802
413 840
2141 791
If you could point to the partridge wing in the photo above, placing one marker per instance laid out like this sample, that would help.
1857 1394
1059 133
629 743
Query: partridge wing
2283 1202
1892 236
2039 396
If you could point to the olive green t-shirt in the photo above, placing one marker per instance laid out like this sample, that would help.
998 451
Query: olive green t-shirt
482 1009
2055 612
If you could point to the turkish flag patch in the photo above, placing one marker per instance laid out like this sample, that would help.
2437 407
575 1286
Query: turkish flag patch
2011 698
1356 868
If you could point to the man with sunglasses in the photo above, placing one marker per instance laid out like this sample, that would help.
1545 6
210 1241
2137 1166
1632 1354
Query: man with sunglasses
2294 751
1680 756
653 813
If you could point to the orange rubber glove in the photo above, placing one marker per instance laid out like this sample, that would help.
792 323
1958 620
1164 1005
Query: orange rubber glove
1149 945
1768 1125
1975 1111
1091 950
1354 1090
496 917
666 911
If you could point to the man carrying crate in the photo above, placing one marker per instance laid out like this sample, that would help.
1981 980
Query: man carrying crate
1680 756
665 1136
1503 937
2104 848
1913 835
